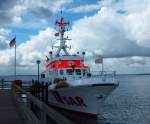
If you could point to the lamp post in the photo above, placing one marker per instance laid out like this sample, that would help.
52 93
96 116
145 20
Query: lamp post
38 62
83 53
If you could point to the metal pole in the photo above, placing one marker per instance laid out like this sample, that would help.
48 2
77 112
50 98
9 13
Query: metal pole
38 72
15 64
38 63
102 66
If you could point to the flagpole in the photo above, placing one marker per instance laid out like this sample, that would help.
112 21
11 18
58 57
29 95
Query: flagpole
15 63
13 43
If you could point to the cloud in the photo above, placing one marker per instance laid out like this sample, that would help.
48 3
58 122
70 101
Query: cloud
106 33
44 9
13 11
138 27
3 42
128 65
85 8
7 11
41 12
136 18
4 31
137 61
36 47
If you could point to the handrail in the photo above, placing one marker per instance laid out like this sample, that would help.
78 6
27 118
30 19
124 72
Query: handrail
113 73
57 117
4 85
101 74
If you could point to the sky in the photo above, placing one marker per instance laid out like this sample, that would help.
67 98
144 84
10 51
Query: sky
119 30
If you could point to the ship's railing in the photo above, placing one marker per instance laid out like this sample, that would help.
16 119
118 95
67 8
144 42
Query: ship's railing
5 84
104 75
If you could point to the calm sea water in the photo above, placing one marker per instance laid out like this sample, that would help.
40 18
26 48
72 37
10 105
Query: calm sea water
128 104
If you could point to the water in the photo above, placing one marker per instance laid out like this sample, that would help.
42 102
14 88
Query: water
128 104
19 77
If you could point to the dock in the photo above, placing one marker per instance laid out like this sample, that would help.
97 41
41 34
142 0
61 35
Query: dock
18 105
8 112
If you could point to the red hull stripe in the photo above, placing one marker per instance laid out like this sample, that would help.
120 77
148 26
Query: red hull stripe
84 114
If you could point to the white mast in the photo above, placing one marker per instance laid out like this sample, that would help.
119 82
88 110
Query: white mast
63 45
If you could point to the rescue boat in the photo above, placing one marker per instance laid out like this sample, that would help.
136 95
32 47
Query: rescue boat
72 86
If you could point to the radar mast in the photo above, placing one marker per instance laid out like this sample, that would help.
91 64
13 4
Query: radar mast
62 24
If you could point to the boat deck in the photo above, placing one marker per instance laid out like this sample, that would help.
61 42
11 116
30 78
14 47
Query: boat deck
8 111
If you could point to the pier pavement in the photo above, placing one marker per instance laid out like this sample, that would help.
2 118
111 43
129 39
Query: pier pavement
8 111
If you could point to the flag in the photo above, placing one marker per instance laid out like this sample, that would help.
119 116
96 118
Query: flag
12 42
99 59
56 34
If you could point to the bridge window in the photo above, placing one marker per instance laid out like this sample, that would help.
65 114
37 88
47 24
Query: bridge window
61 72
69 72
84 72
78 71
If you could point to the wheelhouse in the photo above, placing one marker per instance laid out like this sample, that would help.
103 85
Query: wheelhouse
66 67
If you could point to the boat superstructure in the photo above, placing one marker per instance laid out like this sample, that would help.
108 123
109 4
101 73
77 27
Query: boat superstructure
72 86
